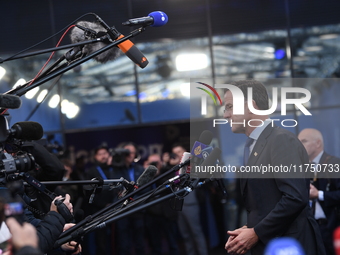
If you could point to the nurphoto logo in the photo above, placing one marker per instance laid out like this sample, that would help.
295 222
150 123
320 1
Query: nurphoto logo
239 101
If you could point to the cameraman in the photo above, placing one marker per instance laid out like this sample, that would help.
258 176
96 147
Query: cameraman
48 168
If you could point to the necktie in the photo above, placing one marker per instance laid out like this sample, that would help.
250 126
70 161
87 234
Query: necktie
247 150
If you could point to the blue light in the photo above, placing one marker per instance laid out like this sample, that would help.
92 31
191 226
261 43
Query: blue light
130 93
280 54
142 95
165 93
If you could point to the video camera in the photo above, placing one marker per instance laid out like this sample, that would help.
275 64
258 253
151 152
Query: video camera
118 156
12 158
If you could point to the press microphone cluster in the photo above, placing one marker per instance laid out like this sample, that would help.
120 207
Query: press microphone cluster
85 30
147 176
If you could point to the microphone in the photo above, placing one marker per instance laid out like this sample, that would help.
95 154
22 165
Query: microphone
154 19
212 158
187 168
148 174
26 130
201 150
81 33
8 101
336 240
86 30
284 246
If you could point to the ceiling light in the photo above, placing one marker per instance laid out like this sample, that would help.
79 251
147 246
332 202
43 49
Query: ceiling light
64 105
192 61
21 81
54 101
72 110
31 93
328 36
2 72
41 96
185 89
313 48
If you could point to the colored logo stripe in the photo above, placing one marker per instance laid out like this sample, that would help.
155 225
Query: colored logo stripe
214 90
210 94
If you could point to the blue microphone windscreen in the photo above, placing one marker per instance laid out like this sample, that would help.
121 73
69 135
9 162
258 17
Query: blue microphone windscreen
284 246
160 18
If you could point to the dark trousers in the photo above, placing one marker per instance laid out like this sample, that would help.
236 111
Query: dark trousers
158 227
130 235
327 237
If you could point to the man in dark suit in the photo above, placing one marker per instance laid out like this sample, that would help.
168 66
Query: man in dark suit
324 191
275 207
130 230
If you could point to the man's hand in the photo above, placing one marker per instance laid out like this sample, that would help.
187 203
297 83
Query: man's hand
66 201
313 192
72 245
241 240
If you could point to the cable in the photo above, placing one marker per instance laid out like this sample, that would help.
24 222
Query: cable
49 59
27 49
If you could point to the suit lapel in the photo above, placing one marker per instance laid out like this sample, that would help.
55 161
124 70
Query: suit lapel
256 152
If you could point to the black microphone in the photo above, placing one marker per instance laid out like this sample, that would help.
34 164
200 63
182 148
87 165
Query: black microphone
26 130
147 176
211 161
8 101
212 158
154 19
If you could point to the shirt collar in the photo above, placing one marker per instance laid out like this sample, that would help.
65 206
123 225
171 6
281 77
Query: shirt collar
316 160
258 130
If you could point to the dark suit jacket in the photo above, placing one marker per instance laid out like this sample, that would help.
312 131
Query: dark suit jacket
279 207
331 188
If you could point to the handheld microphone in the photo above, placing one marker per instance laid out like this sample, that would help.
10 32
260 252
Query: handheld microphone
284 246
154 19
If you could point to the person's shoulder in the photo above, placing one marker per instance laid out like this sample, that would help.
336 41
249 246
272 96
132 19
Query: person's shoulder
331 158
281 132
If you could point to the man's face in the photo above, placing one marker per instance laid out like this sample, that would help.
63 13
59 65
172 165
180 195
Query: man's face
178 151
130 158
228 114
310 144
102 156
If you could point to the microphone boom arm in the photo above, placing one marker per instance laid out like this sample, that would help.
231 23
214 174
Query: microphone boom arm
23 89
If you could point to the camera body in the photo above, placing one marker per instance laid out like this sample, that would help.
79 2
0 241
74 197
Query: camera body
118 156
12 158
